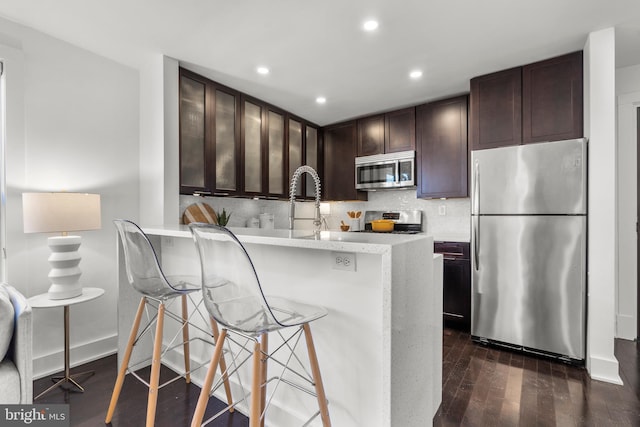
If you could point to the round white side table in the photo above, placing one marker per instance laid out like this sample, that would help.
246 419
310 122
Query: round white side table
43 301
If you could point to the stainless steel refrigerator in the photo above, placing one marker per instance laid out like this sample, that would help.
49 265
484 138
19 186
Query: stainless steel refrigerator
528 243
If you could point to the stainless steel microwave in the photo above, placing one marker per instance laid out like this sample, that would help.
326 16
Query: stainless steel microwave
385 171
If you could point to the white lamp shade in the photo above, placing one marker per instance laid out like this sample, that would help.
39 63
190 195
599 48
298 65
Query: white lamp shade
60 212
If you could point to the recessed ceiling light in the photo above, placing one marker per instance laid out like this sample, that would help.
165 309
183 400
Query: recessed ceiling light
262 70
415 74
370 25
321 100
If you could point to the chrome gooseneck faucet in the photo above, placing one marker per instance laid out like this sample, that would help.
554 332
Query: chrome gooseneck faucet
292 196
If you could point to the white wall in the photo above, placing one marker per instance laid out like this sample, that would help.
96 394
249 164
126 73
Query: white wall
628 92
159 149
72 125
599 125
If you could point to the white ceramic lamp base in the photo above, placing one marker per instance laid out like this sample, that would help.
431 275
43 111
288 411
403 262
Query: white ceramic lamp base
65 273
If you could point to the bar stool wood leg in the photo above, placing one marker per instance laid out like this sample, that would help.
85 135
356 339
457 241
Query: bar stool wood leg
185 339
155 368
125 361
264 347
223 366
256 395
201 406
317 378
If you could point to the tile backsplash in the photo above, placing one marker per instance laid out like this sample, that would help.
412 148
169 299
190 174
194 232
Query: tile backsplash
456 218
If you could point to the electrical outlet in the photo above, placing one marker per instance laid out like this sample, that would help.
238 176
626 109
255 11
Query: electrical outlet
167 241
343 261
442 210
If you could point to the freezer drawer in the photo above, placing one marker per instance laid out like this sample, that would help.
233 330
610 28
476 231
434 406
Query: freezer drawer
528 281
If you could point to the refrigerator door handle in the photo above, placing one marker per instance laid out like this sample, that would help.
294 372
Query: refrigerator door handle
476 187
476 240
476 211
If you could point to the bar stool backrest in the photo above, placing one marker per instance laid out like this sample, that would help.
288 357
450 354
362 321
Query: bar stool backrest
230 287
142 266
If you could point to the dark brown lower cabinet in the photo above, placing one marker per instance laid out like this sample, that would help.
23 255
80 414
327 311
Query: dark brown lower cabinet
456 282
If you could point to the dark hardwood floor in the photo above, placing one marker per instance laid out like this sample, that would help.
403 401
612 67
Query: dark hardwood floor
176 401
482 386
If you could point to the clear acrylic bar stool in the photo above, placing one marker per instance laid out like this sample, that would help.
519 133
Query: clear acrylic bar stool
158 291
233 296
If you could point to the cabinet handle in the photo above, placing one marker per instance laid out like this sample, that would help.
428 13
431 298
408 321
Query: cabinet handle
451 254
453 315
220 194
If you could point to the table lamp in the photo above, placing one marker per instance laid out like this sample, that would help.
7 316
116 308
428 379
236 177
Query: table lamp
62 212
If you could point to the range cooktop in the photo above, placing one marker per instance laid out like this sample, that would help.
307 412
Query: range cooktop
406 221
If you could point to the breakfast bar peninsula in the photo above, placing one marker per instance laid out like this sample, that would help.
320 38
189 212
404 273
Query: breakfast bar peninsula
380 346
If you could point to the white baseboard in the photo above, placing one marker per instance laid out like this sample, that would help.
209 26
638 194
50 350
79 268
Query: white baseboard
626 327
606 370
78 354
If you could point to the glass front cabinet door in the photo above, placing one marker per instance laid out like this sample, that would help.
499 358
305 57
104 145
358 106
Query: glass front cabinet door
209 136
236 145
275 154
252 148
295 152
226 141
193 147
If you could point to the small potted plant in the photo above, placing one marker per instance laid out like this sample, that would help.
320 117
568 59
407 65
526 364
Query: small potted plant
223 217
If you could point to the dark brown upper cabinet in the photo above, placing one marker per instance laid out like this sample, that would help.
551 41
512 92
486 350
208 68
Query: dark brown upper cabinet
552 99
371 135
303 146
537 102
441 149
400 130
253 147
340 150
225 130
387 133
496 109
312 157
195 176
276 154
209 136
233 144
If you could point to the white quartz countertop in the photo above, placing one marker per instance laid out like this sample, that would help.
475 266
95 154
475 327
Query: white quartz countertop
327 240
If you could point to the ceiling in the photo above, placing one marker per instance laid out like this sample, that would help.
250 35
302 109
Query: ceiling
319 48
